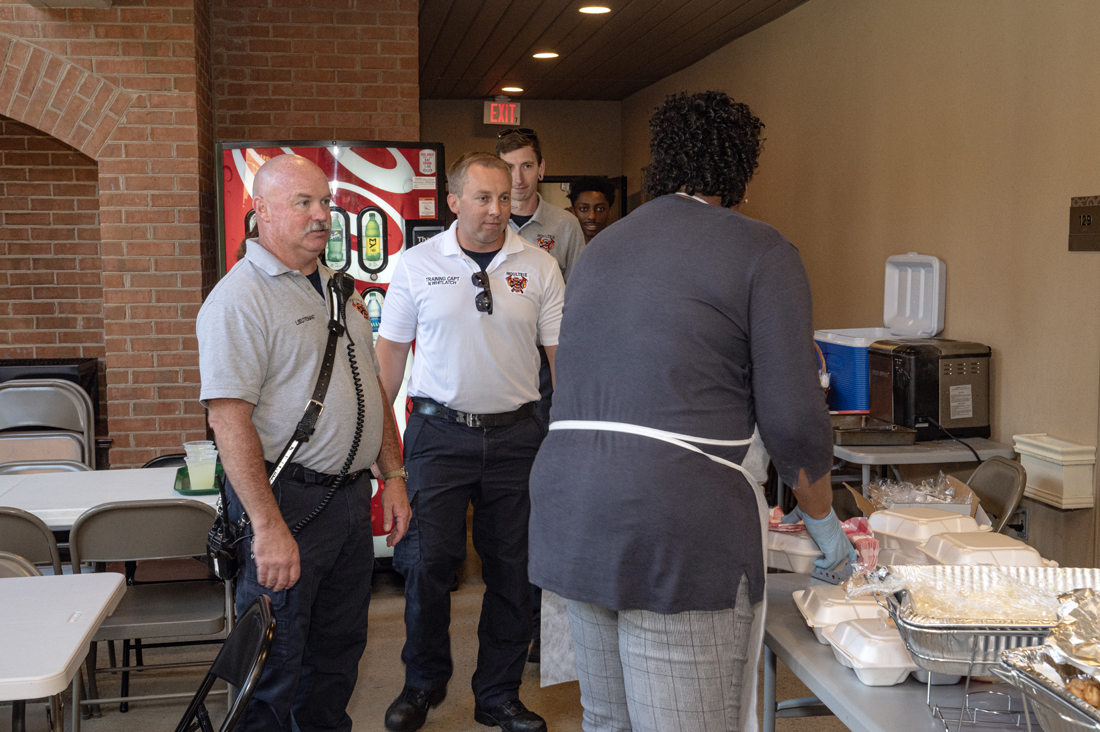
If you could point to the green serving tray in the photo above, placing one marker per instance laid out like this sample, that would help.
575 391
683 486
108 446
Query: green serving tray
183 482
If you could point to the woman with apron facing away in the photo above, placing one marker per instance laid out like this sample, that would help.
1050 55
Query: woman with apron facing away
686 326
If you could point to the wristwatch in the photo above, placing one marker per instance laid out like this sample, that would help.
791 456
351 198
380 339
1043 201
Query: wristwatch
398 473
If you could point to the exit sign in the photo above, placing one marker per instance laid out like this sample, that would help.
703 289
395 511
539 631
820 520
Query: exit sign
501 113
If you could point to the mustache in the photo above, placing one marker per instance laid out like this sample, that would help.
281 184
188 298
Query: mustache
319 226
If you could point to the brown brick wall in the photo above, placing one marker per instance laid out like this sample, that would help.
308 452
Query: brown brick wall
320 70
51 282
143 90
121 85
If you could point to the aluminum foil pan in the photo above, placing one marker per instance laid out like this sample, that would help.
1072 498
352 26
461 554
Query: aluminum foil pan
1056 709
974 645
1048 582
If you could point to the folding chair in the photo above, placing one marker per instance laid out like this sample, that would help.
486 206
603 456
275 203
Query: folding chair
50 403
27 445
27 467
13 565
175 460
239 663
28 536
146 530
999 485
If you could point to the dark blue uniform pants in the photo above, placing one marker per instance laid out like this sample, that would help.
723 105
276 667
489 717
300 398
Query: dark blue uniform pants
321 622
449 466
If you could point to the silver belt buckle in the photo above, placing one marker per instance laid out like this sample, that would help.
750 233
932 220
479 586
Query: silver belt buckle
471 420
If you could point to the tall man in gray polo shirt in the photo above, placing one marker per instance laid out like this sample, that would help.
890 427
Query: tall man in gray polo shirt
262 334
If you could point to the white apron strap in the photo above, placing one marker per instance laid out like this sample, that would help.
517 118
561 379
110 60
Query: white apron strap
673 438
756 634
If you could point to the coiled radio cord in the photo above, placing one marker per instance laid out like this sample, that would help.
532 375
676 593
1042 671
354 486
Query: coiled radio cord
360 419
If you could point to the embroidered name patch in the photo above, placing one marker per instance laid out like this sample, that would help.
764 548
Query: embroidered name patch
545 241
441 280
517 281
306 319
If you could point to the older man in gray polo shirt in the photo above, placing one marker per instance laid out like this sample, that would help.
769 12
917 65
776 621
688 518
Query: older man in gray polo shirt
262 335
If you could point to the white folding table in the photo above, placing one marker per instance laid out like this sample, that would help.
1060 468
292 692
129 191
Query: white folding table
47 624
60 498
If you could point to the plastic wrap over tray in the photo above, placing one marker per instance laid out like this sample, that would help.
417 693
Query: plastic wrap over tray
1056 709
973 644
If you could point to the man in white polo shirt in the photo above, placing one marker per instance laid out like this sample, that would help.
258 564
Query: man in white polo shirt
478 299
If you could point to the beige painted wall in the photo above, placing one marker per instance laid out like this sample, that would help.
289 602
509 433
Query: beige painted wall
577 138
954 129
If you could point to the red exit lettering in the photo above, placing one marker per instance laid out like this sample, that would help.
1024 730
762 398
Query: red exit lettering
502 113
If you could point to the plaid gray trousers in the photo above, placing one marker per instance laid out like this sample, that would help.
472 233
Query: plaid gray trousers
642 671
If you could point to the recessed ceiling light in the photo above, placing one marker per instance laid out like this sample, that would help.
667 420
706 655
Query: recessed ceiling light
548 54
515 89
595 10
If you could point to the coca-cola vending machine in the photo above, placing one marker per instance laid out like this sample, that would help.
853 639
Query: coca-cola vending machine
386 197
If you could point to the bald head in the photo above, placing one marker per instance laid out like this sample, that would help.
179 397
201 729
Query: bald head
275 173
291 197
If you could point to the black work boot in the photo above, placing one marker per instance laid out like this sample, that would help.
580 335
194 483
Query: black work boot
409 710
510 716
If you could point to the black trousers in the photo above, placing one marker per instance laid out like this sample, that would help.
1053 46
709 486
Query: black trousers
321 622
450 466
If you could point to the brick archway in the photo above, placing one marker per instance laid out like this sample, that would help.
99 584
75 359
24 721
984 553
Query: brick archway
54 95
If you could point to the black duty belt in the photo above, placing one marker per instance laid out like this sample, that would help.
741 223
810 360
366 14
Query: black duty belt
301 474
433 408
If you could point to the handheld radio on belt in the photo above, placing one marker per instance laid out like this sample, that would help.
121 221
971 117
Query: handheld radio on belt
225 536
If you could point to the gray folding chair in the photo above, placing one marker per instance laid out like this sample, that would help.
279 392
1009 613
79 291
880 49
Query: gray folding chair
28 467
49 403
145 530
999 485
28 536
27 445
13 565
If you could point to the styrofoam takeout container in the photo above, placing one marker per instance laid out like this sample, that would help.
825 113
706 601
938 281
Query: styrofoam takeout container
908 528
982 547
825 606
873 648
792 552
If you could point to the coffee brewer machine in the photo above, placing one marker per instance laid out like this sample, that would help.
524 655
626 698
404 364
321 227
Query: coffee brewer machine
933 385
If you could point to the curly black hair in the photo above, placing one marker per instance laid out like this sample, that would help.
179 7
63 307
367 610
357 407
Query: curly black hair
705 143
594 183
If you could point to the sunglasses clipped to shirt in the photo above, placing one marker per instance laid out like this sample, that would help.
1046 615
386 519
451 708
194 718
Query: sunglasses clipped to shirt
484 299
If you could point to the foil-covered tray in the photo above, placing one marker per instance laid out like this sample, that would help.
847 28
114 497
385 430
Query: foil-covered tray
968 646
1056 709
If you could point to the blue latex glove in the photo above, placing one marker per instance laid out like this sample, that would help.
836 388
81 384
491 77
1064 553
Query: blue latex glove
830 538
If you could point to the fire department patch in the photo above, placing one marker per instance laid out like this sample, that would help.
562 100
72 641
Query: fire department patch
546 241
517 281
362 310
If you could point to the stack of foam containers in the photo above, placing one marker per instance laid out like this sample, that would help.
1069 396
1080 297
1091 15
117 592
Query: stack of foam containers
912 307
873 648
826 606
901 531
792 552
982 547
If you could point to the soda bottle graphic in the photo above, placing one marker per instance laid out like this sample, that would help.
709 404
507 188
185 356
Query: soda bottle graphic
374 311
372 239
336 249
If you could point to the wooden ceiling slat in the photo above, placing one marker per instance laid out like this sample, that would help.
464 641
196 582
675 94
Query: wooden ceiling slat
683 54
431 18
562 33
481 32
459 18
637 53
475 47
508 49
